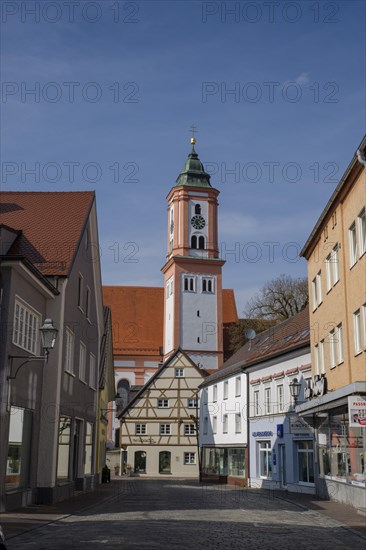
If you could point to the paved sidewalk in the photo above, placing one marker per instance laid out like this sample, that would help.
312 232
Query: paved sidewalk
33 517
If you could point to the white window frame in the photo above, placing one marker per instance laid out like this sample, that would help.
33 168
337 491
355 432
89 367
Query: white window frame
361 222
165 429
82 362
214 424
214 393
26 323
267 400
192 403
69 350
352 239
189 458
340 349
357 331
238 386
92 370
163 403
238 427
316 359
226 389
256 403
225 423
210 285
190 287
280 398
364 325
179 373
322 357
140 429
189 429
317 290
332 348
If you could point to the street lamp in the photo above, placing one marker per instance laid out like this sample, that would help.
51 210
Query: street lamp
48 337
295 387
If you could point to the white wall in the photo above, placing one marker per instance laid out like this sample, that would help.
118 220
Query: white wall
169 315
234 404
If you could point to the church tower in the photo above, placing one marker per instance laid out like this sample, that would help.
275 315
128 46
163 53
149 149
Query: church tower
192 272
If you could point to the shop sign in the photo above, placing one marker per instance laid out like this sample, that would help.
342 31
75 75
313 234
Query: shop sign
299 426
357 411
262 434
317 388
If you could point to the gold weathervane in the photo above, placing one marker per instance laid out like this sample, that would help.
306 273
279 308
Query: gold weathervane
193 130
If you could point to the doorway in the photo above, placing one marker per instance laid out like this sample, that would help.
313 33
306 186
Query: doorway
164 462
140 462
282 457
76 448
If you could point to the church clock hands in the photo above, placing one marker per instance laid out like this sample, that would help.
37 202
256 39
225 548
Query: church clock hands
198 222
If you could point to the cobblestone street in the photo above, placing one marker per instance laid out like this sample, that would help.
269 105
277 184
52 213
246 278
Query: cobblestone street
178 514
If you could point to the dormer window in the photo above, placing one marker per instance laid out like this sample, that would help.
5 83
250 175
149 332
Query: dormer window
197 209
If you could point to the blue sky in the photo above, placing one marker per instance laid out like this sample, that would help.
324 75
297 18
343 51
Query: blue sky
115 98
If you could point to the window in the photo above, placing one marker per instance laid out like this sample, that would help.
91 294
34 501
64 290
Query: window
92 371
237 423
189 458
140 429
321 357
164 429
197 209
364 325
193 241
332 345
201 242
237 386
280 398
189 429
69 352
214 393
163 403
88 448
205 425
165 460
332 268
267 400
171 287
208 285
316 359
19 448
192 403
179 373
25 328
214 424
305 455
87 303
357 331
224 423
82 362
339 343
265 459
226 389
352 245
317 290
189 284
362 231
256 403
80 291
64 438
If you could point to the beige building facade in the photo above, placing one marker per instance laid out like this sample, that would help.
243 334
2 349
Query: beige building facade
336 255
159 425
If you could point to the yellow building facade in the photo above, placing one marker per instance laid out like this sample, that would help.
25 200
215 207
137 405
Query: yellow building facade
336 255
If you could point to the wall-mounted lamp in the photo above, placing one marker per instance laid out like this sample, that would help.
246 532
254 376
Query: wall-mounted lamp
295 388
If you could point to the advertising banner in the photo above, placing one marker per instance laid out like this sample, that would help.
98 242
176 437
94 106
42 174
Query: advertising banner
357 411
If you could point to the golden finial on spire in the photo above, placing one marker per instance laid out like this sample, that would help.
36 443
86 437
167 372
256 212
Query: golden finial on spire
193 130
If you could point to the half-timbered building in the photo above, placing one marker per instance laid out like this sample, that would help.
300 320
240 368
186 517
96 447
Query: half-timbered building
159 426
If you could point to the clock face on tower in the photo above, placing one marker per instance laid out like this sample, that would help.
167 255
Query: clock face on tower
198 222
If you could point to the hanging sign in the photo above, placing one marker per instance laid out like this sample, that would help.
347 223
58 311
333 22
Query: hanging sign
357 411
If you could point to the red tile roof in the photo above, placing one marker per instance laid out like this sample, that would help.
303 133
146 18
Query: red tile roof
51 225
138 317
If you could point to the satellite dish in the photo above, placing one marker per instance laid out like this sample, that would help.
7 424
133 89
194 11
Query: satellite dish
250 334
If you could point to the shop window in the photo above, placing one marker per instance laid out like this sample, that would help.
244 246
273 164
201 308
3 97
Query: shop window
88 448
18 458
64 438
164 462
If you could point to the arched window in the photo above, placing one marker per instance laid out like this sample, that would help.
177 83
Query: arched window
164 462
123 389
197 209
204 285
209 285
186 283
201 243
193 241
191 284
